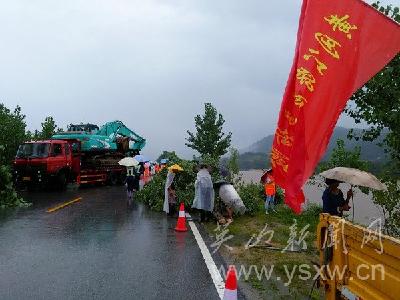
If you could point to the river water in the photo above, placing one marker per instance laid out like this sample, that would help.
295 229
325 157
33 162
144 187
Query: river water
365 211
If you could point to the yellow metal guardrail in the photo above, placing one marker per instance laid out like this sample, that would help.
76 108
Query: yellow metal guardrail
357 262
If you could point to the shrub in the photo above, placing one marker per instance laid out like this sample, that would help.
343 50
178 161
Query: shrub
153 193
252 196
8 196
280 195
389 202
312 210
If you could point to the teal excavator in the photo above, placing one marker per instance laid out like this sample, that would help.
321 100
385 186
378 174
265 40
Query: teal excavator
111 137
85 154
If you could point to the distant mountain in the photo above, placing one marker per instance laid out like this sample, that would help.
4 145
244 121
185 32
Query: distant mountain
369 150
255 156
262 146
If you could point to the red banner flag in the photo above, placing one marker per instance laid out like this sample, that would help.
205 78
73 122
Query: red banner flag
341 44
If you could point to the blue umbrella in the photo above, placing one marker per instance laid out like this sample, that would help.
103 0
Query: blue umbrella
141 158
164 161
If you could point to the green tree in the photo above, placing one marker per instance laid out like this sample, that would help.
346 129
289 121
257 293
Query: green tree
28 135
389 202
153 193
209 139
12 132
341 157
8 195
49 127
171 156
233 161
233 167
378 102
36 135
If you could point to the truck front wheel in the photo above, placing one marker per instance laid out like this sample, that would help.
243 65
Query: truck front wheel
122 178
112 178
62 180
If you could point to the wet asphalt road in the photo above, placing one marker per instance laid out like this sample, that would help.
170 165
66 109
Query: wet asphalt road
97 249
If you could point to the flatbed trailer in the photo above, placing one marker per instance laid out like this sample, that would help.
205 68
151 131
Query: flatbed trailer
357 262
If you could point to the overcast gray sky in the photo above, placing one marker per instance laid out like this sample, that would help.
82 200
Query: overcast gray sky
151 64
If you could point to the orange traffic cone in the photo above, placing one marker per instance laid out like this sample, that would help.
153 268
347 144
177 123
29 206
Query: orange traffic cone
181 224
230 292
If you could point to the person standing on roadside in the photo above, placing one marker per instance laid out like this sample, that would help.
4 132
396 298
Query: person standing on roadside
141 169
168 184
146 173
204 193
132 184
170 198
270 191
129 185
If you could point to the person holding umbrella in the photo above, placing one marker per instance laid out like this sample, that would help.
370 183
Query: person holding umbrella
333 201
132 184
132 179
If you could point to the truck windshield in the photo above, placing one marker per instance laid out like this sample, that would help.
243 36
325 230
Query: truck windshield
33 150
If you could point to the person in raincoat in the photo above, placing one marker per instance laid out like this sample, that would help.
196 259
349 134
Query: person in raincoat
172 200
170 193
168 184
204 193
230 199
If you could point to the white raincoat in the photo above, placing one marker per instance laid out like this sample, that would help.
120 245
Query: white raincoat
204 191
231 198
170 179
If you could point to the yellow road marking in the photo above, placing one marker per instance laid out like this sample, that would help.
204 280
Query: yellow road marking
64 205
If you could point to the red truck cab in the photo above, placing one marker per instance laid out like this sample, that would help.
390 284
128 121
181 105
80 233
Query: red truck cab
44 162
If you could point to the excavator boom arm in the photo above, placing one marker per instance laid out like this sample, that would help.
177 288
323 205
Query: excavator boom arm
117 129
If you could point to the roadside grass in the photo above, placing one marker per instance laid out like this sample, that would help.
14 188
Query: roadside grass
245 227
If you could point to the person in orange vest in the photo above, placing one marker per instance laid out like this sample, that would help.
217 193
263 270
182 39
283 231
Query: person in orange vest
270 191
146 174
157 168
